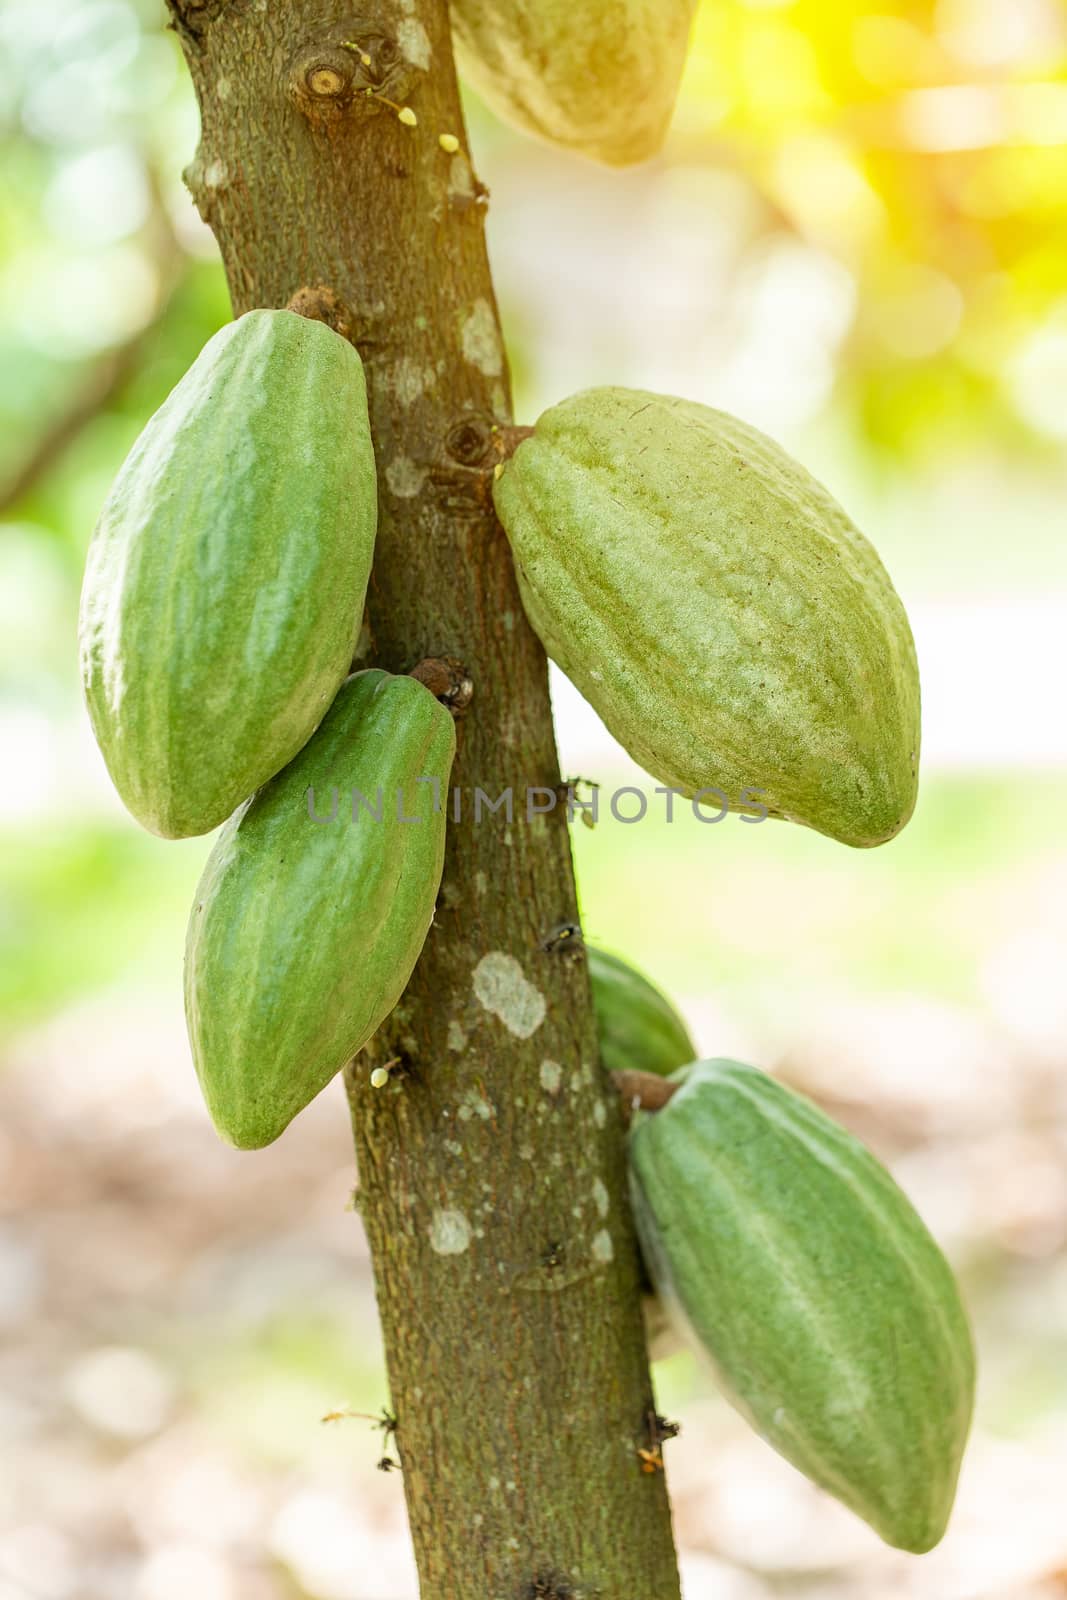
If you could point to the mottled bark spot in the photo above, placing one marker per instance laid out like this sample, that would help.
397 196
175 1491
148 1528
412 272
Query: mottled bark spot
474 1104
405 478
551 1076
602 1249
502 987
414 42
410 380
450 1233
457 1039
481 340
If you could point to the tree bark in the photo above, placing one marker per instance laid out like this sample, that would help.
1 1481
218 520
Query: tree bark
492 1172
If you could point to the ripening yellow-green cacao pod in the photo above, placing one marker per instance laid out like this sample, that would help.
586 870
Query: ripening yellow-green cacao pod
718 608
787 1253
225 581
595 76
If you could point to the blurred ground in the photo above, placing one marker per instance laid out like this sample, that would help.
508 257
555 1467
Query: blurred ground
855 240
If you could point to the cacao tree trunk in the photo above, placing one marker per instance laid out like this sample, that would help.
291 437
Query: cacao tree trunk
492 1180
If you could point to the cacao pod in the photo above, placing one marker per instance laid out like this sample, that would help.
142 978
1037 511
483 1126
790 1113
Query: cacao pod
595 76
312 908
718 609
225 581
832 1318
637 1026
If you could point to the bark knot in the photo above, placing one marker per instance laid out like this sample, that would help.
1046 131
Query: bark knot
472 450
547 1586
469 439
320 303
356 68
448 681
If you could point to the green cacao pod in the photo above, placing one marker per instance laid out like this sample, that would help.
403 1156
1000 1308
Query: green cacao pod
718 609
595 76
831 1316
314 905
225 582
637 1026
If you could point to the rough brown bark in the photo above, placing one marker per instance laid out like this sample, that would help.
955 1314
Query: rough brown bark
492 1181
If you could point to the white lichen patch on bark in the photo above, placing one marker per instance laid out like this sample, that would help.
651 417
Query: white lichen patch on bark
410 380
602 1249
405 478
502 988
460 177
600 1197
457 1039
551 1076
414 42
450 1233
474 1104
481 340
600 1113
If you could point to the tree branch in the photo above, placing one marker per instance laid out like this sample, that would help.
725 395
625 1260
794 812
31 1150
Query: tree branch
108 376
105 381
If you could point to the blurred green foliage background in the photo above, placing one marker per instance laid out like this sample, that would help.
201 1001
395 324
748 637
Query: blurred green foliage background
855 238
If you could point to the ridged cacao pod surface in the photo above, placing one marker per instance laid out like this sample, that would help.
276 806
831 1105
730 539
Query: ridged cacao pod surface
832 1319
637 1026
711 601
598 77
225 581
313 909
